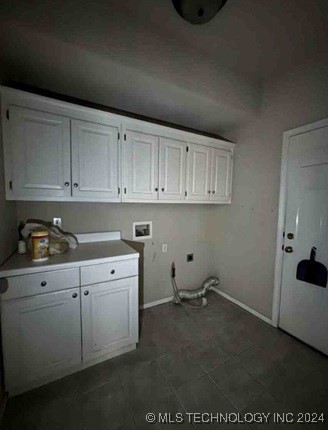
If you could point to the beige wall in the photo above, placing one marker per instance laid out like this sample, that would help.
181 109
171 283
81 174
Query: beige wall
236 242
243 235
182 227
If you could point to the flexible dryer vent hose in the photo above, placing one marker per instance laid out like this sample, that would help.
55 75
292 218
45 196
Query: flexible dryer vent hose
199 293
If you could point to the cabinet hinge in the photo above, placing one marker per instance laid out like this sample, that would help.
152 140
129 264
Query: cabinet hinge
283 247
124 190
7 113
283 234
187 148
11 185
186 193
118 136
124 136
118 190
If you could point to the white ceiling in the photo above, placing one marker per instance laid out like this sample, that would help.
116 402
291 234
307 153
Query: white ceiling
140 55
253 38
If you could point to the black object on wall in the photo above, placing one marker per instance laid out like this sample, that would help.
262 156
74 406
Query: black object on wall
312 271
198 11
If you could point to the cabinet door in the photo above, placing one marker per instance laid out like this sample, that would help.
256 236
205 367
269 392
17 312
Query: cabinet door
41 335
40 149
172 168
199 164
94 160
109 316
221 175
140 166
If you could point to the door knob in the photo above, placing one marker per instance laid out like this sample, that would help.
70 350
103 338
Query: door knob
86 293
290 236
289 249
112 272
76 185
74 295
66 184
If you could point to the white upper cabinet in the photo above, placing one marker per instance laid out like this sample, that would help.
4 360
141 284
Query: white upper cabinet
40 153
172 169
60 151
199 173
95 160
221 171
140 166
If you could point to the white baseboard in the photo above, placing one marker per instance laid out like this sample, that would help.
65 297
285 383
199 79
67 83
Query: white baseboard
242 305
156 303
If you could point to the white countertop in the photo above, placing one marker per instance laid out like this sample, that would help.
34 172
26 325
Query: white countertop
85 254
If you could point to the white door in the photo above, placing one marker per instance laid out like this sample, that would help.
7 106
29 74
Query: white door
94 160
199 175
221 169
40 148
109 316
172 169
140 166
41 336
304 306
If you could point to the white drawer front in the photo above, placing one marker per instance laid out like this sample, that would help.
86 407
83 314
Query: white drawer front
108 271
38 283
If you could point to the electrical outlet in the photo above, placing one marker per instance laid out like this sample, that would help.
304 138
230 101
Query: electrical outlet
164 247
190 258
57 222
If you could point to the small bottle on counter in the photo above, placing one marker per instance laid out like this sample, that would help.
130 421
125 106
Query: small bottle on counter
21 247
40 245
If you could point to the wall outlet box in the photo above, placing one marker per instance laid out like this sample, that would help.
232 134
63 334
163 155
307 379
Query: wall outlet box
190 258
57 222
164 247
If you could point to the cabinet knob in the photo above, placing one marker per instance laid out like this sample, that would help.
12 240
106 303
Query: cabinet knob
86 293
74 295
156 189
76 185
163 189
66 184
112 272
209 192
43 283
213 192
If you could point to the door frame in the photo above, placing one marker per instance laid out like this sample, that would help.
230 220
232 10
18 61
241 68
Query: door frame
282 213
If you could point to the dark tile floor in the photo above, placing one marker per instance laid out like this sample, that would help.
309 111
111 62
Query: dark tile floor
209 360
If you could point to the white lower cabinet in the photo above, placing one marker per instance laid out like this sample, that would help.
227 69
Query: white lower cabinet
41 336
109 316
48 335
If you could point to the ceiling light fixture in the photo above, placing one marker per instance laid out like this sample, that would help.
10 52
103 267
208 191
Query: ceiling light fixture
198 11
